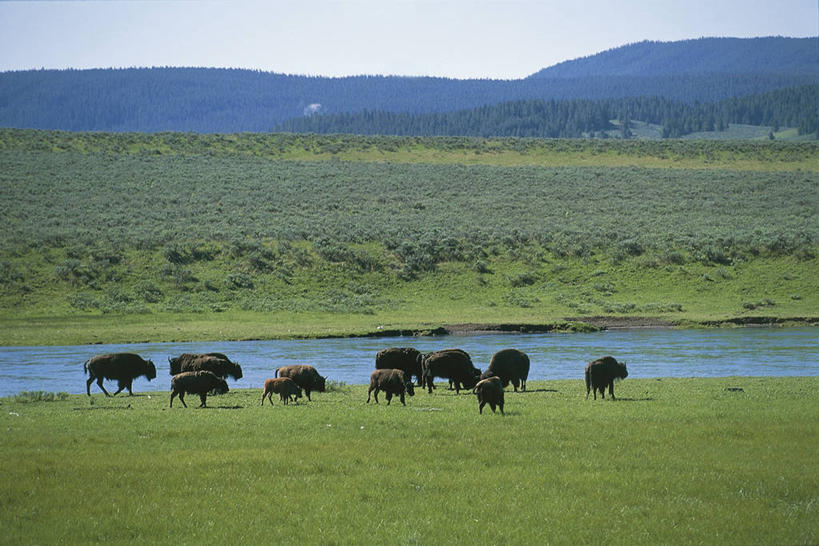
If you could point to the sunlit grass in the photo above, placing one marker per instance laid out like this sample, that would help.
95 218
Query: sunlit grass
672 461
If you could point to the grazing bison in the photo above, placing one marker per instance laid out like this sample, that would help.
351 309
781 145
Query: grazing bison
400 358
509 365
284 387
305 377
454 364
391 382
601 373
489 391
217 363
200 382
124 367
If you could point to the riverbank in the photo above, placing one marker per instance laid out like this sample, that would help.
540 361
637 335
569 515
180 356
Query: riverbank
130 469
93 330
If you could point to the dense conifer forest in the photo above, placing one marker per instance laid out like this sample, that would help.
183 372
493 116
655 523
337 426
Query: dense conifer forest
232 100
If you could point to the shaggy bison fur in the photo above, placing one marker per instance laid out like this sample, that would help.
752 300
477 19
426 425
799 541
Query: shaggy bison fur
305 377
124 367
392 382
601 373
284 387
489 391
217 363
453 364
400 358
509 365
201 383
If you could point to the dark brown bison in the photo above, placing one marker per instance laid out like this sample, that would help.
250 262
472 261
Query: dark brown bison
489 391
217 363
305 377
454 364
509 365
284 387
601 373
124 367
400 358
391 382
201 383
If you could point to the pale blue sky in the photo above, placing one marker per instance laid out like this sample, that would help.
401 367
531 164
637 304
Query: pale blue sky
451 38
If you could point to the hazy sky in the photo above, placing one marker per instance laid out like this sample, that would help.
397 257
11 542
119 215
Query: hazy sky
451 38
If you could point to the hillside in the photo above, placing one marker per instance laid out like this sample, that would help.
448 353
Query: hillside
180 236
771 55
226 101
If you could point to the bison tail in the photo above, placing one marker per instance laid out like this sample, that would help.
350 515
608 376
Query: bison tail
85 367
277 373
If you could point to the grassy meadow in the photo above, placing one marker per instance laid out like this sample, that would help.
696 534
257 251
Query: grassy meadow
672 461
135 237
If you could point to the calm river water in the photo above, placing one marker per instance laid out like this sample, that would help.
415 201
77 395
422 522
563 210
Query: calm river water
648 353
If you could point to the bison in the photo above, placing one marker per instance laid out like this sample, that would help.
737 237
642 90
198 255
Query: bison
391 382
124 367
200 382
509 365
284 387
453 364
601 373
400 358
217 363
489 391
305 377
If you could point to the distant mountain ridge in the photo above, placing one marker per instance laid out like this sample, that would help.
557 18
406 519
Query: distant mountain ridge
233 100
772 55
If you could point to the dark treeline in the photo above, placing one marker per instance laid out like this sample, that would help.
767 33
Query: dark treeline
231 100
792 107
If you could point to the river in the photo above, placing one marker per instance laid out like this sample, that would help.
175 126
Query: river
648 353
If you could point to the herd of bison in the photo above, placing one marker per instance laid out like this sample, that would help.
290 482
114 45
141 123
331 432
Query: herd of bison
395 367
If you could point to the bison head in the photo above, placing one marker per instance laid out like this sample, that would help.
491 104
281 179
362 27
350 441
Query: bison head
235 371
150 370
220 387
620 371
175 365
320 383
409 387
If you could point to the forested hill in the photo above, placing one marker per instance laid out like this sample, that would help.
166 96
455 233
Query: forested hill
233 100
791 107
770 55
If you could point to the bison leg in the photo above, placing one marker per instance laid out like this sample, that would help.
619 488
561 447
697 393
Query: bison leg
480 407
402 399
389 397
370 390
124 384
88 385
99 382
307 391
611 390
500 405
516 384
204 398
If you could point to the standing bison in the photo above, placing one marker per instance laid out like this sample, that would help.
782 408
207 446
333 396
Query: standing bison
201 383
124 367
391 382
400 358
454 364
305 377
489 391
509 365
284 387
217 363
601 373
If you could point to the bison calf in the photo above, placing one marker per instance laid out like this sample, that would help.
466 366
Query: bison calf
283 386
391 382
489 391
200 383
601 373
124 367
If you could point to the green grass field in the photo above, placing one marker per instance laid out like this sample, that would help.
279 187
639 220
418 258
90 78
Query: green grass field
672 461
135 237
